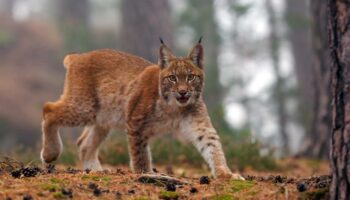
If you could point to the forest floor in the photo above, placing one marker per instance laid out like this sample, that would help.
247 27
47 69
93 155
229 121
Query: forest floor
297 179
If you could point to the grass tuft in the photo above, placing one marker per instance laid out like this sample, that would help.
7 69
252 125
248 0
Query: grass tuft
224 197
239 185
47 186
169 195
316 194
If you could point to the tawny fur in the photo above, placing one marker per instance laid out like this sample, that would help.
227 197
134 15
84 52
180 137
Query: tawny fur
107 89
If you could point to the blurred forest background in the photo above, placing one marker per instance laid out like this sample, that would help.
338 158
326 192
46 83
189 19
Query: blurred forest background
267 80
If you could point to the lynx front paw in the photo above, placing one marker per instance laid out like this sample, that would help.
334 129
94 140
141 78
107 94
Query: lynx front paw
224 173
93 165
232 176
48 156
235 176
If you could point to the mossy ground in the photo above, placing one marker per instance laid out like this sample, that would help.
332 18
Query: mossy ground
120 182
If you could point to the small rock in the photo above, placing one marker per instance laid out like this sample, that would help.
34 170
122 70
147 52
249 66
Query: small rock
30 171
301 187
67 192
92 186
204 180
278 179
290 180
249 177
105 191
27 197
132 191
170 187
118 195
322 184
71 170
97 192
193 190
16 173
120 171
50 168
87 170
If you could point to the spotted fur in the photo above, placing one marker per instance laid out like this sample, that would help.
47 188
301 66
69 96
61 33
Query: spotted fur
108 89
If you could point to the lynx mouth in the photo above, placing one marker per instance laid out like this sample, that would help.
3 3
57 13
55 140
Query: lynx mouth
182 99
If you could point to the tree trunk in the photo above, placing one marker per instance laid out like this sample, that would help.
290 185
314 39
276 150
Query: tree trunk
317 138
280 82
297 19
143 22
339 41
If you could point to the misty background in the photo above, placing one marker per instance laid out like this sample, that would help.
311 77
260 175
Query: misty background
265 61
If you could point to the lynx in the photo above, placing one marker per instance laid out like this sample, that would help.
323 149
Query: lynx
107 89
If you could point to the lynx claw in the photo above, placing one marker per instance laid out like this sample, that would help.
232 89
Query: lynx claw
235 176
231 176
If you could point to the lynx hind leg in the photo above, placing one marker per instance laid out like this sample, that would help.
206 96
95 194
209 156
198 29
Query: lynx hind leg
83 136
56 115
89 143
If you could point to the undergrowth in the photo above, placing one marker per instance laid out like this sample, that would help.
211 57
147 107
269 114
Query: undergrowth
240 152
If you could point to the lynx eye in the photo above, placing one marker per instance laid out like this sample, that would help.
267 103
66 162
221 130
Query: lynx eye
172 78
190 77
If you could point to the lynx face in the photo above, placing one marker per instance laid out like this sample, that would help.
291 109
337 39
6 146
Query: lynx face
181 82
181 79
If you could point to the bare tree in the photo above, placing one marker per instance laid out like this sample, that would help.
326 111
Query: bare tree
339 41
317 137
143 22
279 92
299 36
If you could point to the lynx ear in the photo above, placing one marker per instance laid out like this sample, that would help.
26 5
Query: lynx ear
165 55
196 54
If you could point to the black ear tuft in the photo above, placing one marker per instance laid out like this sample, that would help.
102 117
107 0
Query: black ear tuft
161 40
200 40
165 55
196 54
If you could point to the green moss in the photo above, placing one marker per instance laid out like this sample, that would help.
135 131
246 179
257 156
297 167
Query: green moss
106 179
224 197
168 195
40 194
96 178
314 164
252 193
142 198
57 181
47 186
58 195
238 185
316 194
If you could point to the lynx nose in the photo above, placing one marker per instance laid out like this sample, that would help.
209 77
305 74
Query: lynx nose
183 93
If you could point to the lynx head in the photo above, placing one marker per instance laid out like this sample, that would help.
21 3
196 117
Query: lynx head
181 79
